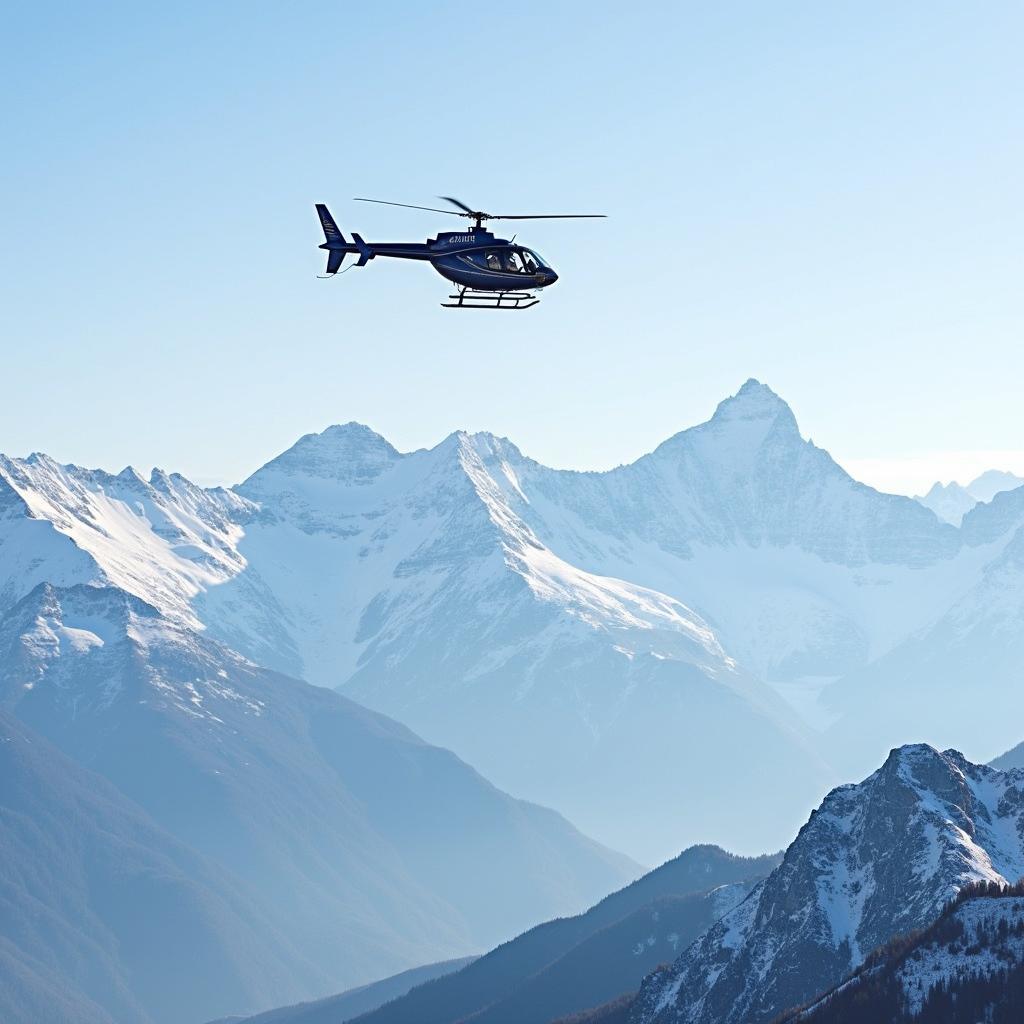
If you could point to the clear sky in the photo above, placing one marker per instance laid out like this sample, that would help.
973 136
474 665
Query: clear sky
825 196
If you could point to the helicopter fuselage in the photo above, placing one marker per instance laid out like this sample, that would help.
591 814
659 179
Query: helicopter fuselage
473 259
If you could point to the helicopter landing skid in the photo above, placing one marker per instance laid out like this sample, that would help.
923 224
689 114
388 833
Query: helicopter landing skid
467 298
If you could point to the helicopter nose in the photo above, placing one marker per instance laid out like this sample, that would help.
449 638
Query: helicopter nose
547 276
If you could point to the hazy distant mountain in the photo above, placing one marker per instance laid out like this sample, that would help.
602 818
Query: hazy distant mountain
875 860
1013 758
366 849
951 502
677 649
355 1002
944 681
105 918
577 962
967 966
993 482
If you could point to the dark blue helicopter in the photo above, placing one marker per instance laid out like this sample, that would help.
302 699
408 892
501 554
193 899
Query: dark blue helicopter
490 273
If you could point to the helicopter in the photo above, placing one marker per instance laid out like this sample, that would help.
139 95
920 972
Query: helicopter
488 272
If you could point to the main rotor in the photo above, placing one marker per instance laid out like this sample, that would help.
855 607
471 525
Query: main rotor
479 216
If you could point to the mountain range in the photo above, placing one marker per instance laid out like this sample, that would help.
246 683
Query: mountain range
624 646
888 902
952 501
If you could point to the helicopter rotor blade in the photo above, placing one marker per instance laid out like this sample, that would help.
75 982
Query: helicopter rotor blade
410 206
470 212
479 215
546 216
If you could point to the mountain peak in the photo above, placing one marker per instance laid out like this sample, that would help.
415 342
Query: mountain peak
912 753
753 401
131 476
941 490
348 452
921 764
739 427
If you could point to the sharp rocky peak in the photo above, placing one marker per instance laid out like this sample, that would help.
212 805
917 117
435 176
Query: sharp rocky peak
741 423
754 402
346 452
130 475
485 445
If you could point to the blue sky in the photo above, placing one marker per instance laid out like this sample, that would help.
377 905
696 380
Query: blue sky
823 196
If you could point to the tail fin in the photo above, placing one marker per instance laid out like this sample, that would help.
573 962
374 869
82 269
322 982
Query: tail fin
333 236
331 232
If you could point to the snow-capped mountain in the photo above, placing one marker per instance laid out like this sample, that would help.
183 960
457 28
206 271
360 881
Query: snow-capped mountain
368 850
1013 758
952 501
877 859
164 540
591 640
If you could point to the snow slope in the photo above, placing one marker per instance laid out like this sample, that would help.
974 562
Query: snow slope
965 967
164 540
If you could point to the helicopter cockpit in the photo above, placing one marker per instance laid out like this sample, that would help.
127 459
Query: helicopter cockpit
508 260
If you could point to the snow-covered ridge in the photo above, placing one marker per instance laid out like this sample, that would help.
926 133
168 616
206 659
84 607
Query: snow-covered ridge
77 648
164 540
744 481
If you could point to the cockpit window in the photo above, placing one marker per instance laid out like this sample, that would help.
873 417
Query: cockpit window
509 261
